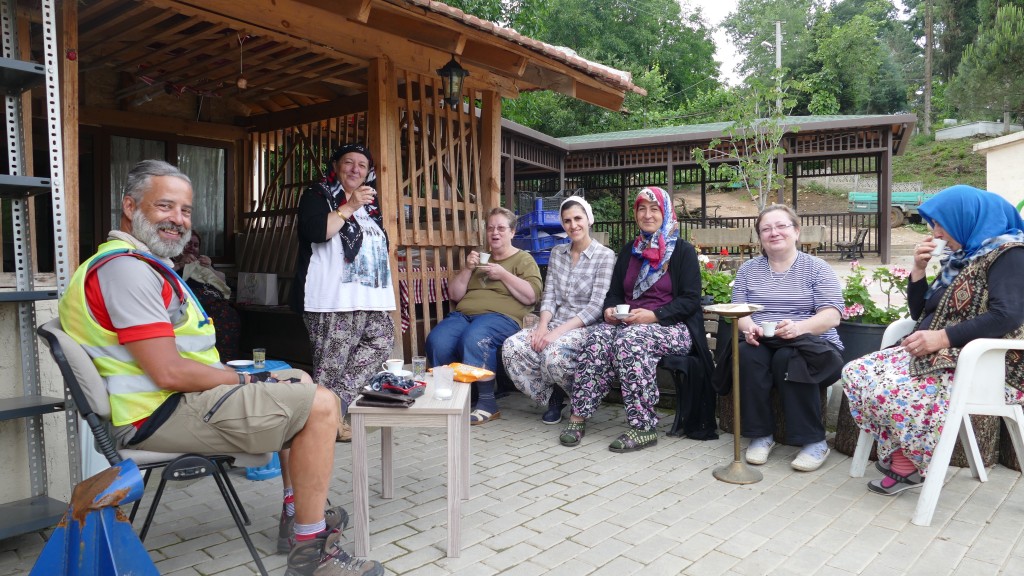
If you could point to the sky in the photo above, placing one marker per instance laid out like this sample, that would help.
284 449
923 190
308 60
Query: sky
714 11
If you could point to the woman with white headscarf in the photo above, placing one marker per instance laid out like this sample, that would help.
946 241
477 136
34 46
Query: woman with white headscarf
658 276
540 362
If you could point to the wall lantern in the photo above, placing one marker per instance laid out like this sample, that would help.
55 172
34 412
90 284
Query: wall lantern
451 82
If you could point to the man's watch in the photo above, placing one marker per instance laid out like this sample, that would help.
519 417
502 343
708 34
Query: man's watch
242 379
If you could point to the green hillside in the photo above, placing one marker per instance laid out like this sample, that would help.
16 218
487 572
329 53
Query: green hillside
940 164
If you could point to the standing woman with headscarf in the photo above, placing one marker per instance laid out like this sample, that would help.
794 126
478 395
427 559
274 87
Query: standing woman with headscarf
343 277
658 275
901 394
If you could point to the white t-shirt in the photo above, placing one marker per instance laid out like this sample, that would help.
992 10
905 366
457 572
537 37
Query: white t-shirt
333 285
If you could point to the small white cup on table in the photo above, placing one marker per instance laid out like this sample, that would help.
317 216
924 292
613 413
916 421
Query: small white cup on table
393 365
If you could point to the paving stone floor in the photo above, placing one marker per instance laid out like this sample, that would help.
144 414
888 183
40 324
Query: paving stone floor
537 507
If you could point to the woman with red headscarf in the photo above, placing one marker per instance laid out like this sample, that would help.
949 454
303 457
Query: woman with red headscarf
658 276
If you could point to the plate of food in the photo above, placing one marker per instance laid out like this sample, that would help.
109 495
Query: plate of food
622 316
240 363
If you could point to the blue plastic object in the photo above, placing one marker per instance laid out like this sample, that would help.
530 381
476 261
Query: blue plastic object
537 243
271 470
271 366
94 537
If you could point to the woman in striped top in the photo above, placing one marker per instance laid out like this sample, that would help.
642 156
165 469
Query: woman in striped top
802 295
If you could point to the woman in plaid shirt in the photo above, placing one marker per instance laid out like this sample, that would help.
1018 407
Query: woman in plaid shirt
578 278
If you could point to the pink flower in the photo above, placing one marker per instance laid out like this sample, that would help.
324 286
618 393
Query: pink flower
854 264
900 272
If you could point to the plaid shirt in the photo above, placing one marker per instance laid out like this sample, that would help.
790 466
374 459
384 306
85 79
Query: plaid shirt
580 290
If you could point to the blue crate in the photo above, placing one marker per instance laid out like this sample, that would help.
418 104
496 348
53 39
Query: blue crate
541 258
535 243
539 220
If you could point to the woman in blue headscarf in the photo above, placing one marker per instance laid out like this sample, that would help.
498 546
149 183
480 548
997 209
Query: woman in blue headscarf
901 395
657 275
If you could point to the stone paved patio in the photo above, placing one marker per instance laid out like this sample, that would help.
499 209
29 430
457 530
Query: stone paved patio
537 507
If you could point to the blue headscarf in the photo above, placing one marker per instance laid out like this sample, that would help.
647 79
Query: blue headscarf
979 220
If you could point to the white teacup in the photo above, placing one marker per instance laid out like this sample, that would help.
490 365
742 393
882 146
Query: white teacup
622 309
394 365
485 257
769 328
940 246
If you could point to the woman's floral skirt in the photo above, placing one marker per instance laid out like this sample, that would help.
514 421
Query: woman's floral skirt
900 410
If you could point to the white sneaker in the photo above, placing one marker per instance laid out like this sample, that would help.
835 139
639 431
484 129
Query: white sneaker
759 449
811 457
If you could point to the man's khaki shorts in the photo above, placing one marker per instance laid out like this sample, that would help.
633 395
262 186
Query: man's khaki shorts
259 417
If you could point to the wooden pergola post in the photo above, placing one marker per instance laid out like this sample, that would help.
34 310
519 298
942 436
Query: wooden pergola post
382 136
490 149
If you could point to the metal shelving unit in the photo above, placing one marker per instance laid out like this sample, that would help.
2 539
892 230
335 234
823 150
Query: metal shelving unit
17 77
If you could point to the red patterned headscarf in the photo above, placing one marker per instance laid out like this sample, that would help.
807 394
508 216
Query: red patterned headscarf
655 248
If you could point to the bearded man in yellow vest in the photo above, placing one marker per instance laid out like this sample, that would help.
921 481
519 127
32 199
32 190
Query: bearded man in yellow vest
154 345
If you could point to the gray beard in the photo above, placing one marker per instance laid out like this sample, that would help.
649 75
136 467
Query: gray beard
149 234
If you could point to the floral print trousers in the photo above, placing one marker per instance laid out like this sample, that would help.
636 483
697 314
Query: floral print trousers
900 410
631 354
348 348
536 373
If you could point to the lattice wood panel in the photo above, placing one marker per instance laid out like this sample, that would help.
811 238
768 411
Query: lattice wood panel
285 162
440 201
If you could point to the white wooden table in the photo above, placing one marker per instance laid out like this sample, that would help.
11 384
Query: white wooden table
427 412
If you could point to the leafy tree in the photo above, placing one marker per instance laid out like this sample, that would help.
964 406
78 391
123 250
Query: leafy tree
988 80
750 150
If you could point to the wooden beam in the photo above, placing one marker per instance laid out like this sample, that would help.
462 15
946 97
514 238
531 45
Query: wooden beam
382 137
317 29
355 10
135 120
305 115
68 76
490 150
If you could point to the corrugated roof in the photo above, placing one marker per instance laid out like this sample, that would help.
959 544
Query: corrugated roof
715 127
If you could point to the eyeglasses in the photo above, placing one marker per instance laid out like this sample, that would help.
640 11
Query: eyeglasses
501 229
778 228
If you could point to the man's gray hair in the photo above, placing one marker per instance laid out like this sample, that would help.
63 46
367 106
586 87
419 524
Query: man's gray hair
141 173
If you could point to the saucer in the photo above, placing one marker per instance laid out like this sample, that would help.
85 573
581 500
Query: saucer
621 316
240 363
403 373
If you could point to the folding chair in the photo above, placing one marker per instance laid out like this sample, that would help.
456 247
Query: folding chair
89 393
977 388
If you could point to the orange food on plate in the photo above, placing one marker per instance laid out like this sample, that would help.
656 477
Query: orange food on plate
467 373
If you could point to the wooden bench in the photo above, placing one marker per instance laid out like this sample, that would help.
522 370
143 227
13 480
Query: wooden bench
812 237
712 240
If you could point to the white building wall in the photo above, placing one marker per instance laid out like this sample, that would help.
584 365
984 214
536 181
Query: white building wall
1004 164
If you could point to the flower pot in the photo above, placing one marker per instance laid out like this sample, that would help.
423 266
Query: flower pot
859 339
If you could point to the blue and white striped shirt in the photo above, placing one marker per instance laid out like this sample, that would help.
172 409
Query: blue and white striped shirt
809 285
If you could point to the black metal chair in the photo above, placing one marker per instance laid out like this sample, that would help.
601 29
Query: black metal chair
87 389
854 247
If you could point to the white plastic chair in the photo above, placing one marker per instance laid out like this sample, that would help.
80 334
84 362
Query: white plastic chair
977 389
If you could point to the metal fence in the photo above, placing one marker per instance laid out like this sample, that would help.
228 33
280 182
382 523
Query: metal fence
839 227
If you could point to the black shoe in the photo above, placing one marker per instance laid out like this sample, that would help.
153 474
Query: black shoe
553 415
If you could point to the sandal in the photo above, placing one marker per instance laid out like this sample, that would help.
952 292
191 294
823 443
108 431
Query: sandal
573 433
634 440
902 482
478 416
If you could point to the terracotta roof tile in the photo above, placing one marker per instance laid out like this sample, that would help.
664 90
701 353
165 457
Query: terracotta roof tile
616 78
